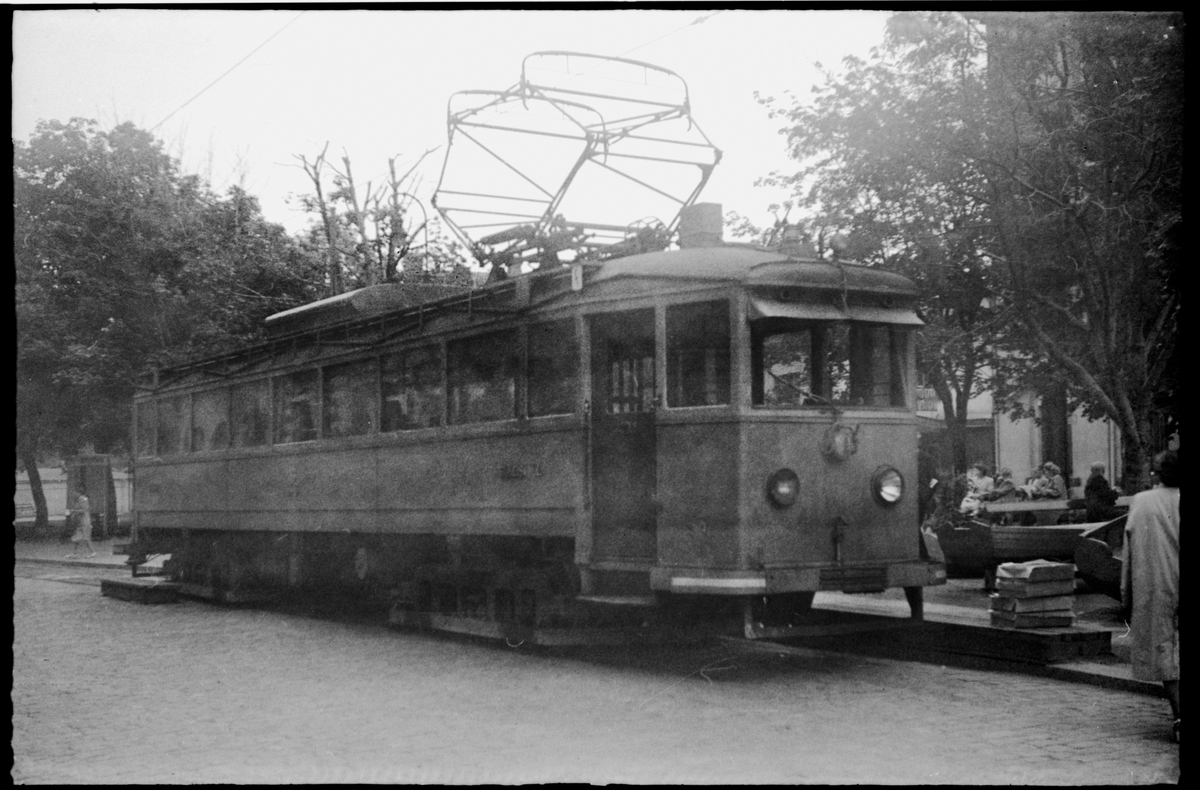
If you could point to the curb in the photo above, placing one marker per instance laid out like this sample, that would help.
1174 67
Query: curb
1075 675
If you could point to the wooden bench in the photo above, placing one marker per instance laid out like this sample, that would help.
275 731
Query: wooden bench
1047 511
979 546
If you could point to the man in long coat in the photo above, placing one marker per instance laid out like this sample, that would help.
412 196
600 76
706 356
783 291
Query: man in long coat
1150 580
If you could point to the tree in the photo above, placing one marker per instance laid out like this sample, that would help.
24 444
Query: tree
1084 165
1036 161
874 174
370 235
123 263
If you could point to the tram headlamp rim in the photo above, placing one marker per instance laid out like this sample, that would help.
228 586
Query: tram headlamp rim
783 488
887 486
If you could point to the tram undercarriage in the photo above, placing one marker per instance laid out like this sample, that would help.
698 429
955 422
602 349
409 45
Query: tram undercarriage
521 589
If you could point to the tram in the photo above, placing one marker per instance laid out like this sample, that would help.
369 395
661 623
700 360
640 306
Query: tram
722 425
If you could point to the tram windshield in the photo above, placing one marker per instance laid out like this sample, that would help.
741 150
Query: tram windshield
821 363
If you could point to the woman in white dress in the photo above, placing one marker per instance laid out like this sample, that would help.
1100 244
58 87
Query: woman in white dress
1150 580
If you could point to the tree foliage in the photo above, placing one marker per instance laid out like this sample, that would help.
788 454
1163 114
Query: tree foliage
122 262
872 144
1026 171
1085 167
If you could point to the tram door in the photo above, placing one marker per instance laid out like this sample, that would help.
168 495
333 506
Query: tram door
623 437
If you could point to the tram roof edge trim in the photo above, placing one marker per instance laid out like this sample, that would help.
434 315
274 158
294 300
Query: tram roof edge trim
756 267
817 311
372 300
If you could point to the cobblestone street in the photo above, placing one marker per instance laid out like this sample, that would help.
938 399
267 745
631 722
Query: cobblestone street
111 692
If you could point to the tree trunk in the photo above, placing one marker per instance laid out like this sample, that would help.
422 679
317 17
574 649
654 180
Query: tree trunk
954 411
41 519
958 440
1135 459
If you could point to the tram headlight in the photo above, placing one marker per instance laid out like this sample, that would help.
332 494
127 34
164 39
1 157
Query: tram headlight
783 488
887 485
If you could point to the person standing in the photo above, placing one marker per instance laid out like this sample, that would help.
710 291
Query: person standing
1150 581
82 509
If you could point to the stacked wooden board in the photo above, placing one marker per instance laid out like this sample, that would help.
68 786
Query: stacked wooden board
1034 594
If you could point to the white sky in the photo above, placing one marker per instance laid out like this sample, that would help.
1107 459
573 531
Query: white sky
376 83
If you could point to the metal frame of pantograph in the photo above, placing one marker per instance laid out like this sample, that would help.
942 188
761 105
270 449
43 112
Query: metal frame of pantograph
531 225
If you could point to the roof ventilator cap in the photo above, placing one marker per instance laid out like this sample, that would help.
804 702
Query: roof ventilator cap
701 225
793 243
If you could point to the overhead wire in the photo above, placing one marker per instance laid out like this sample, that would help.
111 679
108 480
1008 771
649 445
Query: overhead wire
228 71
231 69
697 21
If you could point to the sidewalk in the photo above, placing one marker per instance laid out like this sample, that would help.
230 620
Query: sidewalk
964 602
55 552
959 602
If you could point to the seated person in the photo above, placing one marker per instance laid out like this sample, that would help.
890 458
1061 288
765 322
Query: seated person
1034 484
1056 487
1004 487
1100 496
979 484
1047 483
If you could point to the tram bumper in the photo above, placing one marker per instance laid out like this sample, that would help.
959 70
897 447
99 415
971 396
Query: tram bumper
860 577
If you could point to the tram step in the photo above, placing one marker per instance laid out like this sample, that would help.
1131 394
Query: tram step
140 590
619 600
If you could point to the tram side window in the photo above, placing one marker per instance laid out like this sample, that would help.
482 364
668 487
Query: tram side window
482 376
698 354
210 420
296 407
412 390
173 425
251 409
351 399
813 363
553 368
146 428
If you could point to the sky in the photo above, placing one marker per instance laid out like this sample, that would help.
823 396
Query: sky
237 95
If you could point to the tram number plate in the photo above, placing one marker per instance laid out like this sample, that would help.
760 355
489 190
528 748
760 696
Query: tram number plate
522 471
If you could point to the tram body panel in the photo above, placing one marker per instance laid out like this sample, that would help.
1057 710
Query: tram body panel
527 483
835 519
698 490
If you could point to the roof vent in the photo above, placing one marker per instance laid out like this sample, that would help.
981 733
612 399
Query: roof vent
793 243
701 225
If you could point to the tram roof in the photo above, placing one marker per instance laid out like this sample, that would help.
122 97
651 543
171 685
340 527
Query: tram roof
751 266
733 264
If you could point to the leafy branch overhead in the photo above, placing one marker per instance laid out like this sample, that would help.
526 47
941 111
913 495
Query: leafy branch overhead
1026 171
